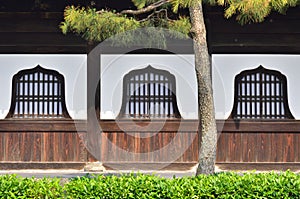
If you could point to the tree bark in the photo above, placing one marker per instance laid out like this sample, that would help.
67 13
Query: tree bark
207 124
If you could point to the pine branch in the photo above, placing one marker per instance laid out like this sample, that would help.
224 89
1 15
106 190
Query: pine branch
155 13
149 8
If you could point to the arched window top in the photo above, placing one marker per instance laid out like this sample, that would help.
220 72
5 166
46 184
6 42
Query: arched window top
38 93
150 71
260 93
149 93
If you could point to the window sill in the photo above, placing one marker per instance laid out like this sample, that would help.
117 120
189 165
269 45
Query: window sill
42 125
271 126
173 125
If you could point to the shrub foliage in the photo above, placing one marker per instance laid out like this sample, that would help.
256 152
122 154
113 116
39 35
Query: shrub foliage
12 186
221 185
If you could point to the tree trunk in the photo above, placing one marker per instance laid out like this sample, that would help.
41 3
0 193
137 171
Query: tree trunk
206 112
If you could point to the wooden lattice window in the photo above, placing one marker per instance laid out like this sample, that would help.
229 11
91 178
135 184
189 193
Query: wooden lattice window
261 94
38 93
149 93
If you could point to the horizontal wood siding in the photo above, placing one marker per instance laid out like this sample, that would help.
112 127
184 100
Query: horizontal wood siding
263 142
42 141
38 32
277 34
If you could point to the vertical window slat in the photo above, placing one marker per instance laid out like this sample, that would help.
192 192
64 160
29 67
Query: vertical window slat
154 97
145 93
34 97
169 97
261 94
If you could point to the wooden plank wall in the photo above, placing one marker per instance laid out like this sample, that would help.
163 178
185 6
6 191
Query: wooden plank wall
42 141
62 141
126 142
36 32
277 34
259 142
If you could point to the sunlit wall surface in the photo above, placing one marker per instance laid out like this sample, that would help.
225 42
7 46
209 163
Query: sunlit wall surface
72 67
115 67
227 66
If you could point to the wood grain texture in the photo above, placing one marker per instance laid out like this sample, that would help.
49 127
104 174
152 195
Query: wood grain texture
227 36
62 141
161 147
258 142
42 141
42 147
124 141
38 32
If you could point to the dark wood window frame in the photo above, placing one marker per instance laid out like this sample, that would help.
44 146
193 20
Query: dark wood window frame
38 93
260 94
149 87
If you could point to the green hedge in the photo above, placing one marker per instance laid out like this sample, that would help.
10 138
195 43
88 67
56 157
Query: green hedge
12 186
221 185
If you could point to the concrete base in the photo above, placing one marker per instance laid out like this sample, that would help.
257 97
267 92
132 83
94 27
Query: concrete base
41 165
149 166
259 166
94 167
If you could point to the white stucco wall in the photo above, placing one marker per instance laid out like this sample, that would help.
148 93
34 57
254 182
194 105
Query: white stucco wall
73 67
227 66
114 67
